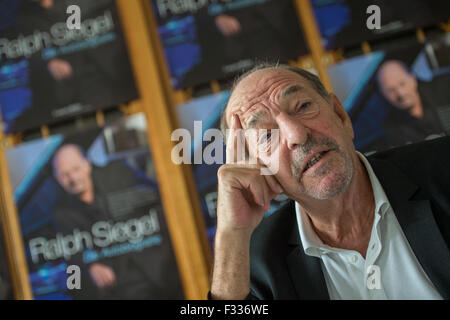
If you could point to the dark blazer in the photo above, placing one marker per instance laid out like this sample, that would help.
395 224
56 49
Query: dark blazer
416 180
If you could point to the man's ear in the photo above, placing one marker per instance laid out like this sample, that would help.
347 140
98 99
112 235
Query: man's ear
343 116
88 164
413 79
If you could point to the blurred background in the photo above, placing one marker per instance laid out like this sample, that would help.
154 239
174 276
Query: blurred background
87 117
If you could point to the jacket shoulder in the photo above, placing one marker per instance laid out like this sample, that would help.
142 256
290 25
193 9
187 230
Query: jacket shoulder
423 157
425 165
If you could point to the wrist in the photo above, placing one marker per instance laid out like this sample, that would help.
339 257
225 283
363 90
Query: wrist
233 235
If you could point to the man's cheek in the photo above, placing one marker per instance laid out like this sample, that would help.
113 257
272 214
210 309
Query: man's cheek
285 174
65 183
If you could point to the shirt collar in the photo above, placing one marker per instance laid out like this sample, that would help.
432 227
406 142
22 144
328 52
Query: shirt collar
381 200
311 242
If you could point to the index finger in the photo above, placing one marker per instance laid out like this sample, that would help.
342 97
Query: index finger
235 151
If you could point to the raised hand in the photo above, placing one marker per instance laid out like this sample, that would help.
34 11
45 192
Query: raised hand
243 197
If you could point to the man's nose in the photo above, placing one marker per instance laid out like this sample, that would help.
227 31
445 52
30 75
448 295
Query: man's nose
400 96
292 132
71 178
402 90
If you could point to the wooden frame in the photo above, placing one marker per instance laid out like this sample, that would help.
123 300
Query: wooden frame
187 237
312 35
11 229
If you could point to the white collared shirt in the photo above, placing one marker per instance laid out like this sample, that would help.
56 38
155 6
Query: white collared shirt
390 269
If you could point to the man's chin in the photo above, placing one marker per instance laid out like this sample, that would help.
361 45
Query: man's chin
326 186
325 192
328 177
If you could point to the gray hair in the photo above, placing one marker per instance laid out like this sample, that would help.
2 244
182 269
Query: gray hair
312 78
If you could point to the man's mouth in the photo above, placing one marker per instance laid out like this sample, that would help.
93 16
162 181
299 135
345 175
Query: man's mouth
316 158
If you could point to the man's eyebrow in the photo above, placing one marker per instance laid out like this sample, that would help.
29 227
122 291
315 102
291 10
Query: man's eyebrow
290 90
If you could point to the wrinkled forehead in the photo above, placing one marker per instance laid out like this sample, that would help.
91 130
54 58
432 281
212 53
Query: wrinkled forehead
262 88
392 73
67 158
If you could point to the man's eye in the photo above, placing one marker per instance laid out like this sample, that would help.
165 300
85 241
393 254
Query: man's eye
302 107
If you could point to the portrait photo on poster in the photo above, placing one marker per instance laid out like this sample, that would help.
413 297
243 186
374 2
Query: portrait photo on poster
347 23
396 96
89 205
60 59
212 40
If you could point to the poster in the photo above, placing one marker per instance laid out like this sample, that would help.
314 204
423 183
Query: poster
91 200
343 23
197 117
396 96
49 72
6 290
216 39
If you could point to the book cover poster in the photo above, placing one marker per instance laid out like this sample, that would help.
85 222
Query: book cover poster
216 39
343 23
91 200
396 96
50 72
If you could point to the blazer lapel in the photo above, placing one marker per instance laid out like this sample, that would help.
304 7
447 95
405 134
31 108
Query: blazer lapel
414 214
305 271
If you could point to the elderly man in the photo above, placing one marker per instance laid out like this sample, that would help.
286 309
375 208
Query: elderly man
356 228
415 104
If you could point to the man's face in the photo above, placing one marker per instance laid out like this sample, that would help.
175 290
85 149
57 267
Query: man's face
72 170
398 86
315 144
